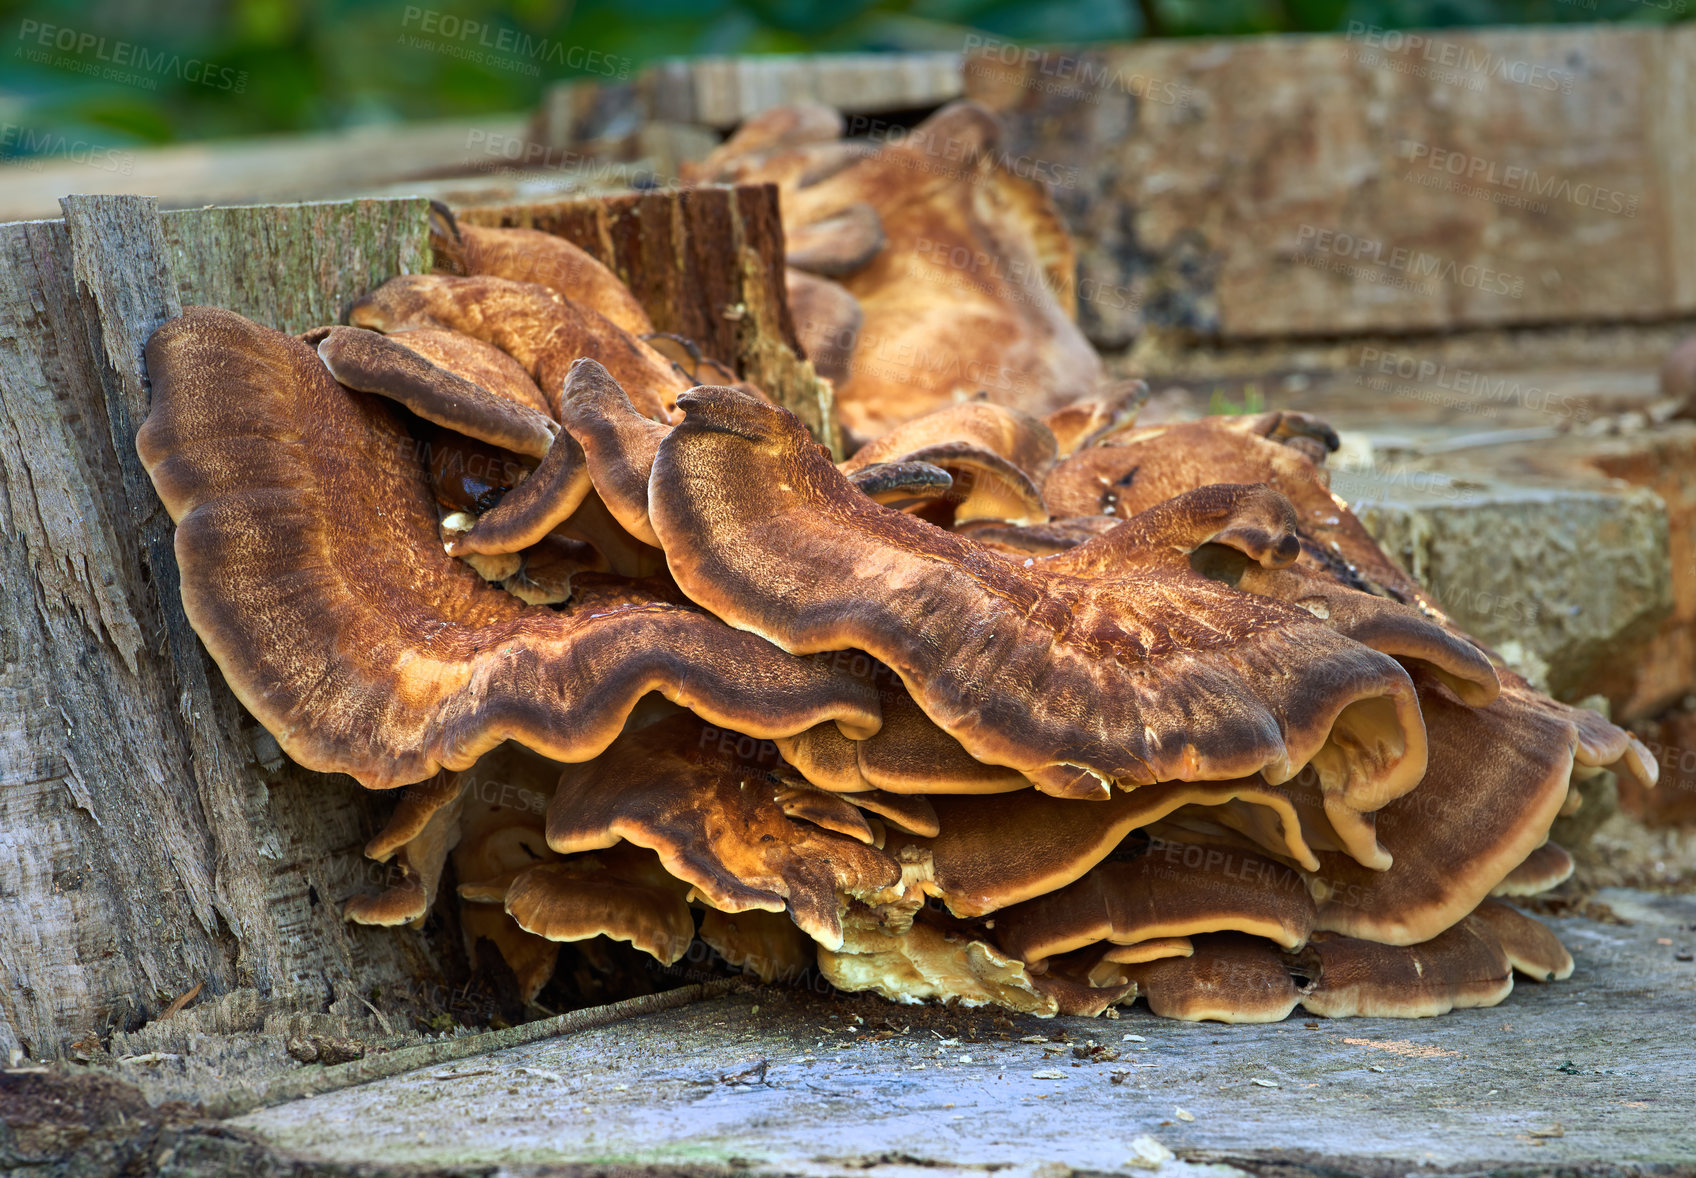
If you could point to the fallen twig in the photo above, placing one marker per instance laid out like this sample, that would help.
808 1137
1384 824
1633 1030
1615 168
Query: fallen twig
315 1080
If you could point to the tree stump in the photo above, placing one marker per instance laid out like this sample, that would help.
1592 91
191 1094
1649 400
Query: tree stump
154 842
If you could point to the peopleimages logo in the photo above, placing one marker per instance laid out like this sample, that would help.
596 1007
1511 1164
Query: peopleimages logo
1386 370
1410 263
1427 56
489 44
1469 172
30 148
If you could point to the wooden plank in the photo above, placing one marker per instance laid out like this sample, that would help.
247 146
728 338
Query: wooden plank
1368 182
720 92
264 169
143 850
707 264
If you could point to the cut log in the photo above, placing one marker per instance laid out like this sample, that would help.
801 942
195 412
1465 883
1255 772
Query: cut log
145 848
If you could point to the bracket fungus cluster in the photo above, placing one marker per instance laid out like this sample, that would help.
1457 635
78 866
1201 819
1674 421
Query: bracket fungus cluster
1020 704
922 266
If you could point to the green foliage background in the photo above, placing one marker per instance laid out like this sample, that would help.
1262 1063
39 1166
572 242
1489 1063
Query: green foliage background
309 65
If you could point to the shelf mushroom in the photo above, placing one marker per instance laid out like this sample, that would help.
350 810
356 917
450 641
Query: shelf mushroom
311 568
1044 713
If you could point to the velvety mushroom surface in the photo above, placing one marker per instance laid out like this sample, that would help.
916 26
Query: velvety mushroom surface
1019 704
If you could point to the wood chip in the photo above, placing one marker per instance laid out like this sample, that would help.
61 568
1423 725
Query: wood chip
1147 1153
1264 1083
1048 1074
182 1000
1183 1114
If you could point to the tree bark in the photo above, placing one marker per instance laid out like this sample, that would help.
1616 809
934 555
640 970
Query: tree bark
144 847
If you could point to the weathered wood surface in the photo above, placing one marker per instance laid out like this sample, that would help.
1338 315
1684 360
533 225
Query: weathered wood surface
719 92
1589 1077
1257 187
707 264
329 164
143 848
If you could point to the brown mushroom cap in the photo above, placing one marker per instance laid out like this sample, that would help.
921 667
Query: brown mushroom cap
420 833
311 568
1171 890
1093 421
544 331
1531 948
1464 966
1600 743
503 802
1147 466
622 893
827 322
1153 950
1495 782
1017 437
982 485
1547 867
937 329
373 363
545 570
417 804
1544 868
531 958
719 825
622 553
994 851
902 484
618 444
1112 661
905 813
765 944
1151 466
907 755
542 502
1286 821
779 127
791 167
1154 464
1228 978
1086 993
406 901
482 364
1387 626
835 245
529 255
